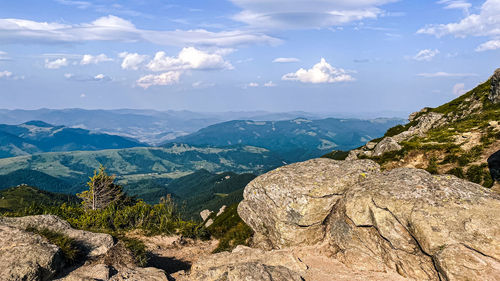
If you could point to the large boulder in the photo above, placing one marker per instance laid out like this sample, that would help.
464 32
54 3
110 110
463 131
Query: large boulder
388 144
422 226
95 244
494 96
27 256
288 206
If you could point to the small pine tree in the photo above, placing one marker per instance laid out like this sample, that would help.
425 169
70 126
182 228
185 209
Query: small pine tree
102 191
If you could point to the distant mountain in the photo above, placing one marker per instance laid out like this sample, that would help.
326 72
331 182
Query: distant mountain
294 140
150 126
36 179
38 136
143 163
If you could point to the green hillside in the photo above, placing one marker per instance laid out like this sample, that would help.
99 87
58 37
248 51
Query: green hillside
137 164
17 198
294 140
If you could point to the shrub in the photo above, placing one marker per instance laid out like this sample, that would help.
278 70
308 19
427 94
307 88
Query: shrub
230 229
458 172
432 167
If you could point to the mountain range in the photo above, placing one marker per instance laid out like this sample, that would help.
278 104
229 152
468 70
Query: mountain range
293 140
38 137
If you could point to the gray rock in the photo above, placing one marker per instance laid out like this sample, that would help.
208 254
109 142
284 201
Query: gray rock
139 273
221 210
205 214
95 244
250 272
426 122
494 96
424 227
370 145
289 205
27 256
209 222
386 145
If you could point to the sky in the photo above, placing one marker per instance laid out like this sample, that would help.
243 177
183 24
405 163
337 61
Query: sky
347 56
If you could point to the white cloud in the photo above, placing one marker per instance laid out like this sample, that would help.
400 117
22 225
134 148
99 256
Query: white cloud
90 59
285 60
426 55
3 56
87 78
456 4
5 74
306 14
113 28
83 96
188 58
253 84
167 78
459 89
490 45
446 74
202 85
486 23
321 72
55 64
269 84
132 61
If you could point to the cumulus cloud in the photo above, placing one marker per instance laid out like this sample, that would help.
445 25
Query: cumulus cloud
55 64
5 74
4 56
459 89
445 74
285 60
426 55
321 72
306 14
486 23
188 58
113 28
164 79
490 45
132 60
90 59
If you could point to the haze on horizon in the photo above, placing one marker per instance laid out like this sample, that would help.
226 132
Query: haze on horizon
245 55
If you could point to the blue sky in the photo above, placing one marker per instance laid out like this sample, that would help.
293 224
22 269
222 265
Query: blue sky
275 55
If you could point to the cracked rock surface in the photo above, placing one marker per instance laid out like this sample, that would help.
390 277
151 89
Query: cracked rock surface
423 227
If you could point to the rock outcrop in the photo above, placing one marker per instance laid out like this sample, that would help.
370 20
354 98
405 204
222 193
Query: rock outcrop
288 206
408 221
27 256
388 144
494 96
95 244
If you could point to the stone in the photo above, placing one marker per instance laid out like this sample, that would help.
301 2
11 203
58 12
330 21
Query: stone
425 122
353 155
27 256
289 205
422 226
494 166
209 222
95 244
89 273
370 145
221 210
386 145
205 214
494 95
140 273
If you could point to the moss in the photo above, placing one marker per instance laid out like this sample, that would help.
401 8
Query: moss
72 252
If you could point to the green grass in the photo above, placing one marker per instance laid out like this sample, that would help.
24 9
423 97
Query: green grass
72 252
230 229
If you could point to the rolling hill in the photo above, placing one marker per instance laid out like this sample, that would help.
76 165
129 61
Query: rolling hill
37 137
132 165
294 140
